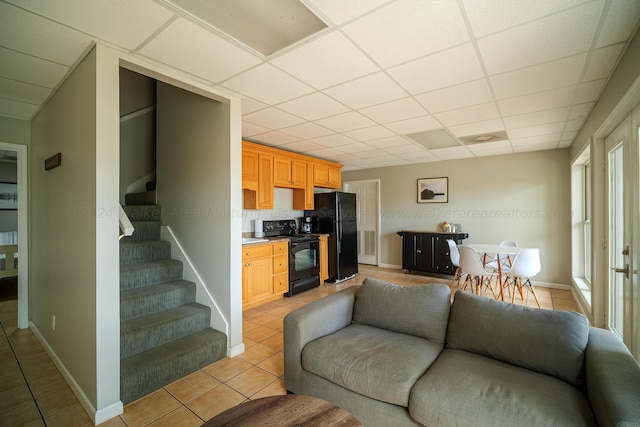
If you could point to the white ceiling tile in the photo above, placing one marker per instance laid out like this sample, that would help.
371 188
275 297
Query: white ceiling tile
326 61
394 111
370 90
334 140
314 106
537 118
581 111
23 92
538 78
275 138
417 124
560 97
272 118
565 143
452 153
487 17
307 130
440 70
122 22
602 62
590 91
543 40
28 69
356 148
540 130
371 153
621 20
535 147
491 146
249 129
476 113
250 105
25 32
343 157
268 84
17 109
369 133
573 124
346 122
533 140
395 161
189 47
340 11
404 149
408 29
477 128
325 153
464 95
392 141
570 135
302 146
419 156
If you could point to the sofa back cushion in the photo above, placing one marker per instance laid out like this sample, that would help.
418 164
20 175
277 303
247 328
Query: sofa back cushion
419 310
545 341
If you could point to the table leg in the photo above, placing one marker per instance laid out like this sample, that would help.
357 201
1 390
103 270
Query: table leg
500 277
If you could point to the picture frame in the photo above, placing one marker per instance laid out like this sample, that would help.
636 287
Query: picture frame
433 190
8 196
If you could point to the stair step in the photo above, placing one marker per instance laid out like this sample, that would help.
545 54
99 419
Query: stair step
143 212
139 302
143 333
144 230
142 198
144 251
153 369
149 273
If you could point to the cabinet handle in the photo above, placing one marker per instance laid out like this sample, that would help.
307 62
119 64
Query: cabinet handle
248 265
247 253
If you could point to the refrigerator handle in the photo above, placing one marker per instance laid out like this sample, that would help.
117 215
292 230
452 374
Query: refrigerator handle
339 224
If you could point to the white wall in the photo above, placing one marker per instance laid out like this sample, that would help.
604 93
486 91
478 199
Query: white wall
523 197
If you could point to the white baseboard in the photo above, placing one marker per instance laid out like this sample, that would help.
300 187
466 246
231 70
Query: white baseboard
399 267
97 416
234 351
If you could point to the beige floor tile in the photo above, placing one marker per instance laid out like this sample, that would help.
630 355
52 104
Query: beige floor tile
191 386
276 342
251 381
275 325
56 401
181 417
260 333
215 401
20 414
71 416
149 408
276 388
248 342
274 364
14 396
257 353
113 422
227 368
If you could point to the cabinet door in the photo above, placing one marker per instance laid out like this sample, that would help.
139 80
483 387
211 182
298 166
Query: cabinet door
324 258
303 198
442 258
298 174
281 172
334 177
257 279
281 283
250 170
265 182
320 175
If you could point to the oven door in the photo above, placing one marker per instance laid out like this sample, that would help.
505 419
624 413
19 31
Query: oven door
303 260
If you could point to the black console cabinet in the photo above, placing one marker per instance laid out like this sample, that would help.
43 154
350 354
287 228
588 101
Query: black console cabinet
428 252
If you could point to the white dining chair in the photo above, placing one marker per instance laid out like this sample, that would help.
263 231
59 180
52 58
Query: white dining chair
526 265
454 255
505 259
477 276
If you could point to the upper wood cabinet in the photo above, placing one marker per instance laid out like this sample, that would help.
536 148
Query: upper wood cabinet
264 168
326 176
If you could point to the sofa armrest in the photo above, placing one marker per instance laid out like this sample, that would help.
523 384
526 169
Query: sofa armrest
314 320
613 380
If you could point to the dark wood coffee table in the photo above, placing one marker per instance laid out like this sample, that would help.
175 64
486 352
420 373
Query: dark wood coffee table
284 411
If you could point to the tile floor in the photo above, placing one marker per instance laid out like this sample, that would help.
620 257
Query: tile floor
33 393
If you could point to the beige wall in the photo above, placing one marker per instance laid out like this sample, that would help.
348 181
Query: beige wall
15 131
523 197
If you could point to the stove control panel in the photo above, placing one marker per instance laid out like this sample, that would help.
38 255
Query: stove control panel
284 227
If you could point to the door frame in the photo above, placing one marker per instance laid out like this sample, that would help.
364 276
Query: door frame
378 205
23 231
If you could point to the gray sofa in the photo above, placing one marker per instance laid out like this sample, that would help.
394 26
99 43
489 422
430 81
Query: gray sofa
406 356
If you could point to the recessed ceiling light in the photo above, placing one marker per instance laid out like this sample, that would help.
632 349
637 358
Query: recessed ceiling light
265 26
485 137
431 139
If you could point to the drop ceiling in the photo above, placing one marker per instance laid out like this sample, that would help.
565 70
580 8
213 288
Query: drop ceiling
381 72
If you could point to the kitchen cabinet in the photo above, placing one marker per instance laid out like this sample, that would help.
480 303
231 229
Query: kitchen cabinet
428 252
260 196
303 199
326 176
289 173
250 170
324 258
265 273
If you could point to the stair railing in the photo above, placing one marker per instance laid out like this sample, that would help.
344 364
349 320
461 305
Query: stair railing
125 224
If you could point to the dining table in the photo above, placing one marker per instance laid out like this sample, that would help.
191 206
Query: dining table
495 252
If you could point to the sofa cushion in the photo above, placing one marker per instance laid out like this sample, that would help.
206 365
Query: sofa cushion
466 389
374 362
419 310
546 341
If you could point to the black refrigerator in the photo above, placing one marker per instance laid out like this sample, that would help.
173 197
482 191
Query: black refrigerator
335 215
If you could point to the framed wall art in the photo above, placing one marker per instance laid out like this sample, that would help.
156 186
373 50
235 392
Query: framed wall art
433 190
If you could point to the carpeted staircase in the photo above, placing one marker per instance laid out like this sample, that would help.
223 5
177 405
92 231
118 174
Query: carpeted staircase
164 333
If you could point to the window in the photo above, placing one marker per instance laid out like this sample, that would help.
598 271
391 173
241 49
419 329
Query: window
581 226
586 221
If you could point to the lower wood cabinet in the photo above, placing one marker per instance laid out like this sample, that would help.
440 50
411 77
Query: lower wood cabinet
428 252
324 260
265 273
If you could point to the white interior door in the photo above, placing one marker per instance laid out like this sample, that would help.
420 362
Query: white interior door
622 182
368 218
